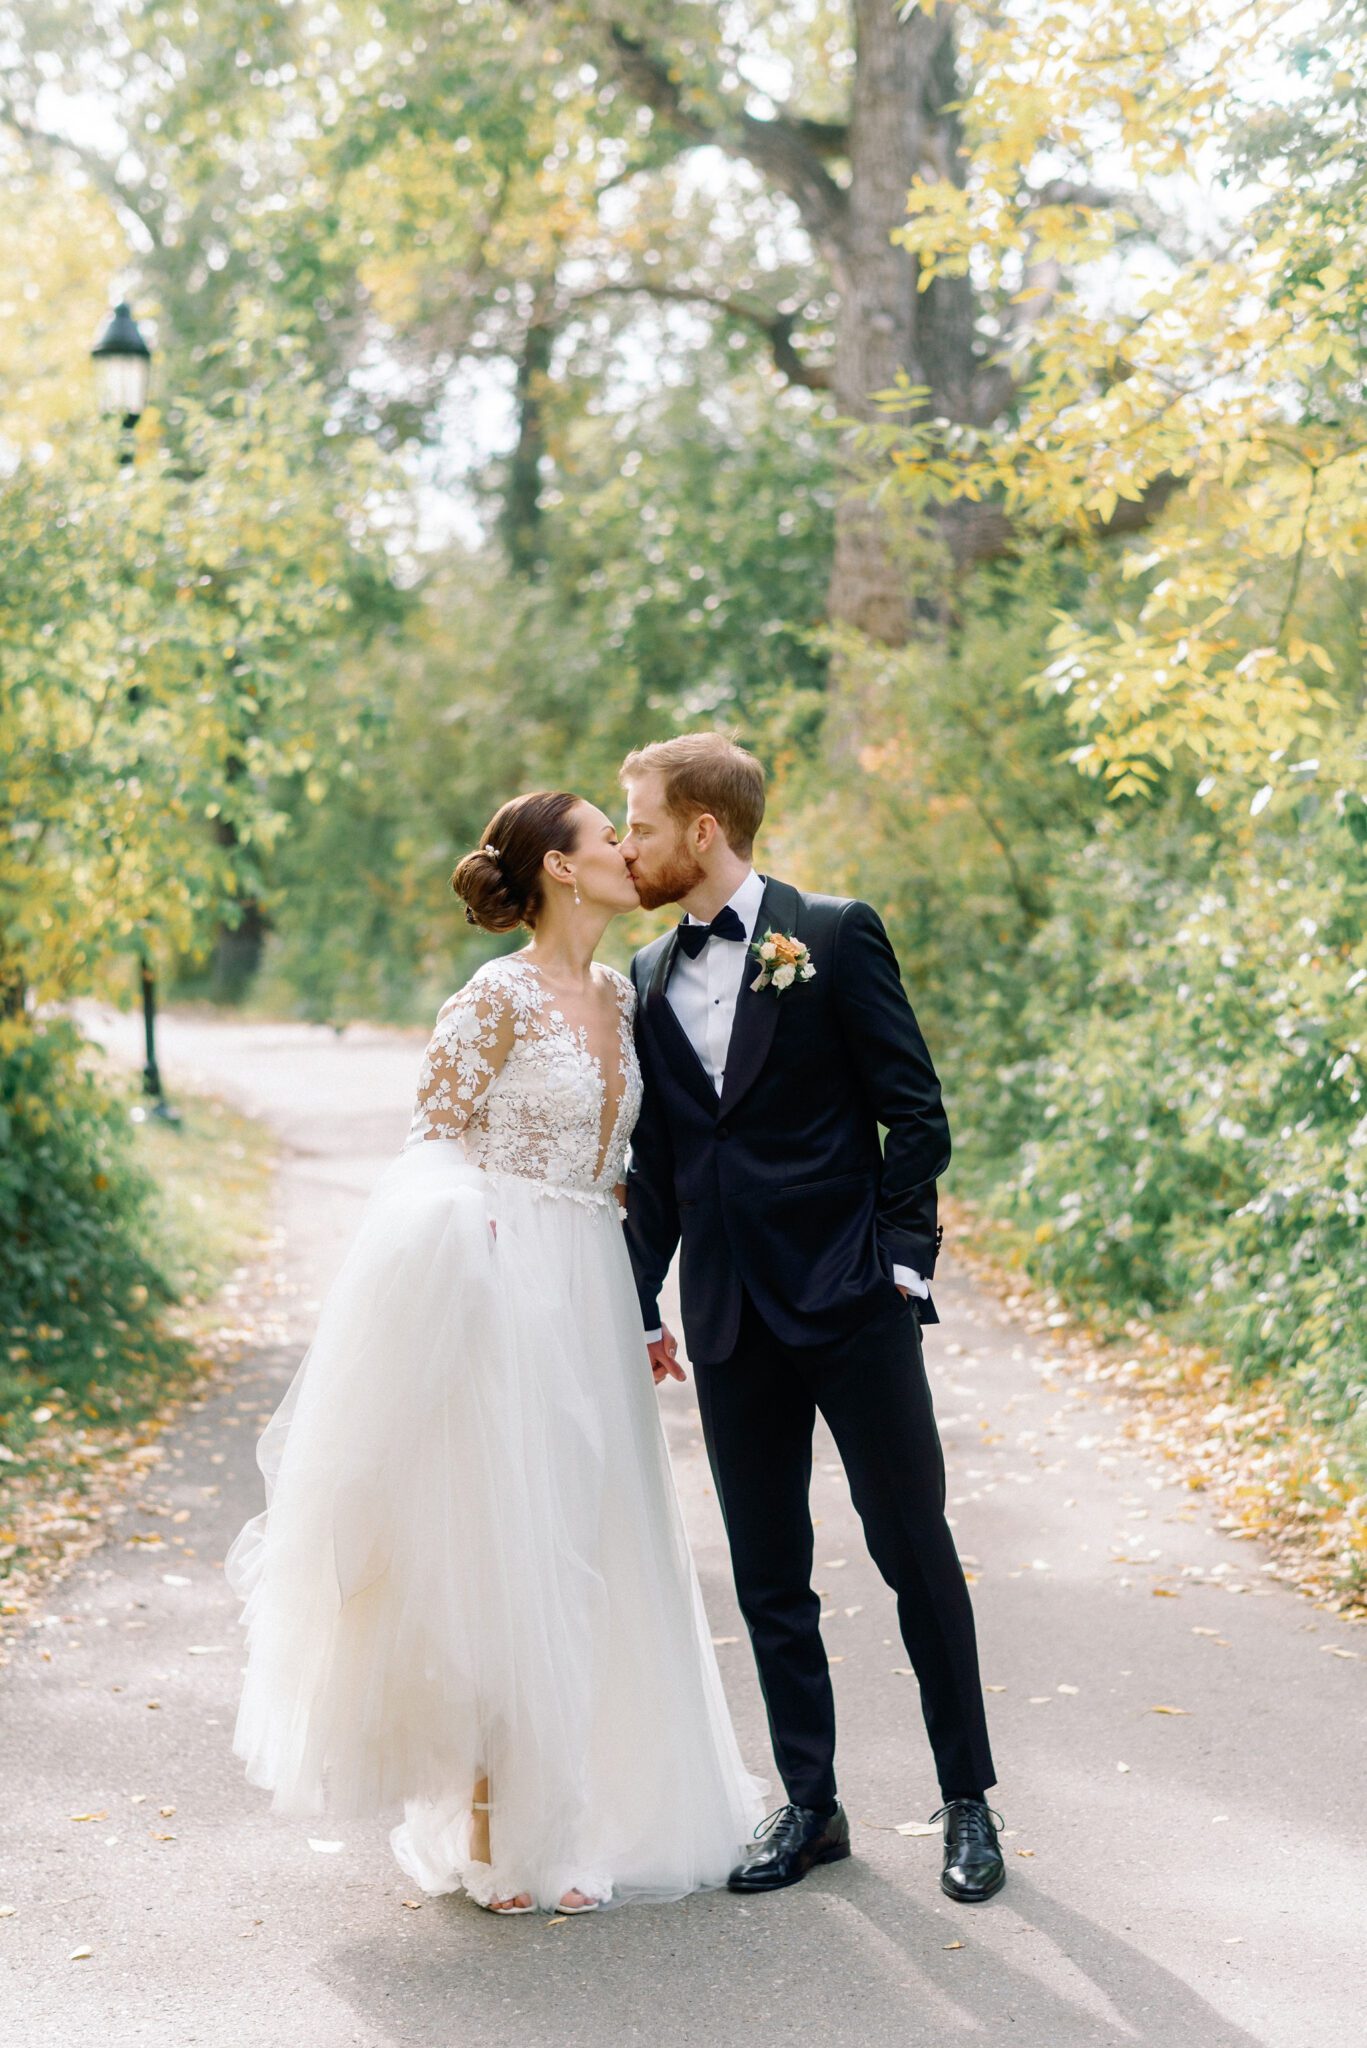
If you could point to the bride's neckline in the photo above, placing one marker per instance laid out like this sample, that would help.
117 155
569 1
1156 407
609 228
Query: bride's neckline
578 1036
594 980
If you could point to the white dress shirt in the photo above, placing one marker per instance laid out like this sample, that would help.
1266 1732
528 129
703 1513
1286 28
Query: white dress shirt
703 994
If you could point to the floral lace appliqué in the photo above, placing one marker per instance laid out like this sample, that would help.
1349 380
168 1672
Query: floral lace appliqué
506 1074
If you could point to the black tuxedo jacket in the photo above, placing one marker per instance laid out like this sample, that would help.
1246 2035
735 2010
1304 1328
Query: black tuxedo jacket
779 1185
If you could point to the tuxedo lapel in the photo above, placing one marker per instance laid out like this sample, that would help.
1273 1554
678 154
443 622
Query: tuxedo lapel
680 1057
756 1018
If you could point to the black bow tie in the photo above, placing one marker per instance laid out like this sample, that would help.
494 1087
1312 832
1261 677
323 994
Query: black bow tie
725 925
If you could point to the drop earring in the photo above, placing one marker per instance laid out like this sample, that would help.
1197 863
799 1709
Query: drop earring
577 897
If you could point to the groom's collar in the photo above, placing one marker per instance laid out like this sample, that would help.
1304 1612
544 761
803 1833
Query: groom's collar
745 902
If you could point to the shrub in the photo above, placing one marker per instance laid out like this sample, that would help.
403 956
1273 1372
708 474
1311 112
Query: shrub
1199 1140
81 1283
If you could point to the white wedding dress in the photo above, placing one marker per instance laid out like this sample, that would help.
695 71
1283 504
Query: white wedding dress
472 1560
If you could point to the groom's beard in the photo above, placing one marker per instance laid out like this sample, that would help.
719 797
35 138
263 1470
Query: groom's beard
680 874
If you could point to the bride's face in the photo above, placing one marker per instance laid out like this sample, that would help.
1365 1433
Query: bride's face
600 872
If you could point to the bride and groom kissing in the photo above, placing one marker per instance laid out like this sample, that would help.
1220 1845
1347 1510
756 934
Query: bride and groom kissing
470 1590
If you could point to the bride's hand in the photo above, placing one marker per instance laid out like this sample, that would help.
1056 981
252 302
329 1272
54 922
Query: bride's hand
664 1357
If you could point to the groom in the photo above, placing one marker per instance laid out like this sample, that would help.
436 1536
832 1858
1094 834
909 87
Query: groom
806 1252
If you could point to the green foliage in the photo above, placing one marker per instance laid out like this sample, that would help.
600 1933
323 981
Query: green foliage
82 1282
158 626
682 578
1195 1135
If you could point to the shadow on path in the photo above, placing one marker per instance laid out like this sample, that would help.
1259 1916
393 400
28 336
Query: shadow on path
845 1959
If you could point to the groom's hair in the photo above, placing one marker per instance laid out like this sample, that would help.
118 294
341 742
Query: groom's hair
705 771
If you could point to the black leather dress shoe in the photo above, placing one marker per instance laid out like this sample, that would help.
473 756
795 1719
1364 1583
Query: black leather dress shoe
973 1867
794 1840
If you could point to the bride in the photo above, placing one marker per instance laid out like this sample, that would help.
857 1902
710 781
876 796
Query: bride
470 1590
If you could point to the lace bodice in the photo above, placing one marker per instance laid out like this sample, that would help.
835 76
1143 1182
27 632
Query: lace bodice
509 1076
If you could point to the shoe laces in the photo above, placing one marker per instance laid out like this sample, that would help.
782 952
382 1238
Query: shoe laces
971 1819
778 1822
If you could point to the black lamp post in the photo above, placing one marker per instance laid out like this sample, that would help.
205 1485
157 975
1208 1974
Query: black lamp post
123 369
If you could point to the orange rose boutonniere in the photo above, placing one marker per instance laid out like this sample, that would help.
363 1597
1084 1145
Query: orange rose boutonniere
782 959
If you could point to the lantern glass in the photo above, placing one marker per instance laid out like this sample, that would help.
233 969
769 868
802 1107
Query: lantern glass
121 382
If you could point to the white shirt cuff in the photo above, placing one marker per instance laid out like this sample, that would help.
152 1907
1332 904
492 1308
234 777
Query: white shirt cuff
654 1336
908 1277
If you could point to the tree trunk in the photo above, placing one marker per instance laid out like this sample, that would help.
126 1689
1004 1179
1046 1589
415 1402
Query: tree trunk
522 511
237 947
903 78
237 955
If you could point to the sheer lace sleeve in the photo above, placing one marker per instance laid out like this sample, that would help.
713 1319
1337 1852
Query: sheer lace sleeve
471 1040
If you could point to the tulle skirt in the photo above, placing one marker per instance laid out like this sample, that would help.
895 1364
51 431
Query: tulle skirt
472 1561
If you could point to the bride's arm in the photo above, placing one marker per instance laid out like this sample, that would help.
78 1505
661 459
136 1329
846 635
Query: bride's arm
472 1038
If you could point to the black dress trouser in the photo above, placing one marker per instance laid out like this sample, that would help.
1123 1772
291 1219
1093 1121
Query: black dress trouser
759 1409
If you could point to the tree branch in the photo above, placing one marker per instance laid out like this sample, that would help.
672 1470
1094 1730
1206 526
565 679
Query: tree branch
788 150
827 138
984 533
1064 192
776 328
97 168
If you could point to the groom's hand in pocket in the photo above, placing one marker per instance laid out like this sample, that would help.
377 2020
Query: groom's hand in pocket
664 1357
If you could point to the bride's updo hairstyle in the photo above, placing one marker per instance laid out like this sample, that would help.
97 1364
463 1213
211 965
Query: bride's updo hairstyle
500 883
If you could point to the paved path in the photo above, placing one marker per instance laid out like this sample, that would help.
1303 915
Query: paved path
1177 1881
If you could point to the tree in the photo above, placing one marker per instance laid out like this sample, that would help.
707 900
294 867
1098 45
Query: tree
1221 382
511 177
157 624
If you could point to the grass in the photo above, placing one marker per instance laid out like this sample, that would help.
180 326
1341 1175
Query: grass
68 1448
214 1174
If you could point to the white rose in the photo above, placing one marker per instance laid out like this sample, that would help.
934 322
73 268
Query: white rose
808 971
784 977
768 951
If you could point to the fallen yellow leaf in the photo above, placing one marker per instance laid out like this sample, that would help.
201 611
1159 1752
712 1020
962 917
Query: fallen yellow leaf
1167 1710
103 1814
951 1944
78 1955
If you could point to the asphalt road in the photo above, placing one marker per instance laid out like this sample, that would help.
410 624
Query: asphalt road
1177 1880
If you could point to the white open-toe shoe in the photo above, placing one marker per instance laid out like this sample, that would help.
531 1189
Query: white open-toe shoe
507 1909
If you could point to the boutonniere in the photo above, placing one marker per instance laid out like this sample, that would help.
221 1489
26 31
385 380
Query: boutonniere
782 961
